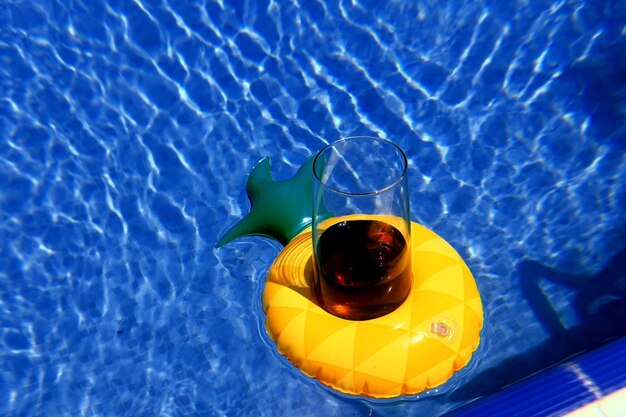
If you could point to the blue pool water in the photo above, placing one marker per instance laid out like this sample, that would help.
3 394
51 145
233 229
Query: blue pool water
127 129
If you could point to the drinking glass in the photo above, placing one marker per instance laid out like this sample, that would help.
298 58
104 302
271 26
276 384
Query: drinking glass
361 228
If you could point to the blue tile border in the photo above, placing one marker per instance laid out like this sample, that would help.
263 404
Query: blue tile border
556 391
606 366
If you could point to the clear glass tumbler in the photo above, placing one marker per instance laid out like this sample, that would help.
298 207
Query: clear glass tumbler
361 228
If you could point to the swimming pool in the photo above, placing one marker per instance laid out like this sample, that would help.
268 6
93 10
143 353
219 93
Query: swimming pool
128 129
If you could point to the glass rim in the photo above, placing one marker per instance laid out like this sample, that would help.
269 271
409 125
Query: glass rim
394 183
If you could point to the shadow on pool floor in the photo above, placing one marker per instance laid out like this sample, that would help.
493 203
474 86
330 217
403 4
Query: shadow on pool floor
599 301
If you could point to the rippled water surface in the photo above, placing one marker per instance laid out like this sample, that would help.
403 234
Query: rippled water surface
127 129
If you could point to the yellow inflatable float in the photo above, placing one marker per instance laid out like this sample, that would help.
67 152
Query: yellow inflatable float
416 347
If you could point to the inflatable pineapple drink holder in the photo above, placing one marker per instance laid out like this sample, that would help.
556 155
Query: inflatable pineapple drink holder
416 347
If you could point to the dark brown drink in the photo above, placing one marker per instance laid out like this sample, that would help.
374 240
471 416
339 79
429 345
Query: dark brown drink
363 269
